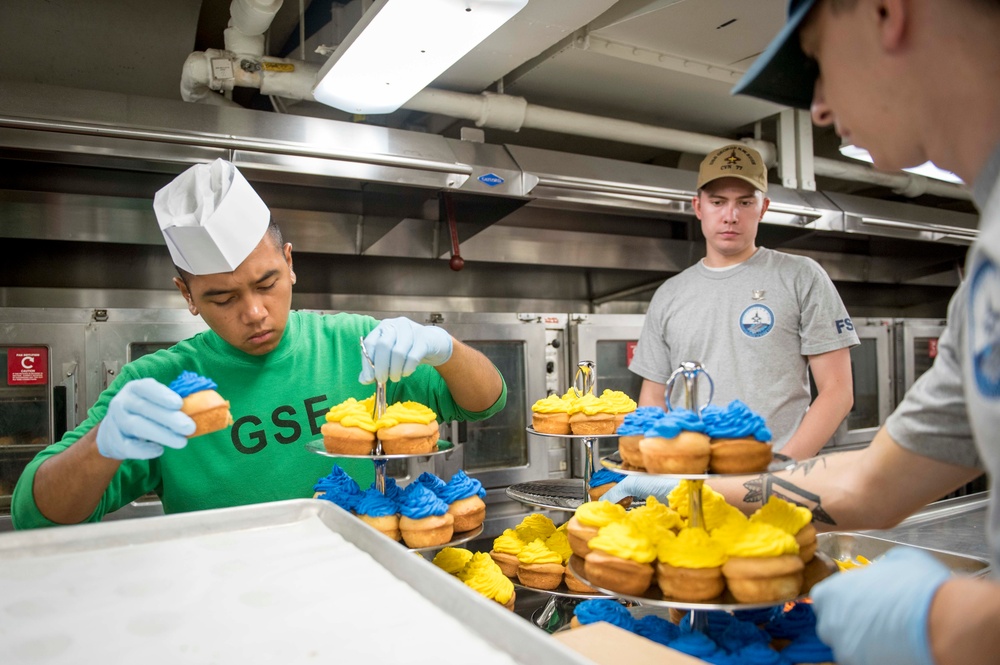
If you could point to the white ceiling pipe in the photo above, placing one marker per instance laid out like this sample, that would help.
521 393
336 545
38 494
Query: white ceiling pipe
511 113
907 184
197 80
249 20
212 71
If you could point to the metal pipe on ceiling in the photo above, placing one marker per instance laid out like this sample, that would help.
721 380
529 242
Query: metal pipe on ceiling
294 79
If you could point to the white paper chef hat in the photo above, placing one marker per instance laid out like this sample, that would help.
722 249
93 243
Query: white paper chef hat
211 218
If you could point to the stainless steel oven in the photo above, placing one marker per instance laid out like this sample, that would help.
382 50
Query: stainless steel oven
916 348
608 340
42 352
874 389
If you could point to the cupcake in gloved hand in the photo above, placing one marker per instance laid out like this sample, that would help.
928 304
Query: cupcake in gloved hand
205 406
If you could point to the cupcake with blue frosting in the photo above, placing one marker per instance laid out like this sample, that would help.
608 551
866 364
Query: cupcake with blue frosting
205 406
676 443
610 611
632 431
808 649
335 478
424 518
464 496
740 440
602 481
379 512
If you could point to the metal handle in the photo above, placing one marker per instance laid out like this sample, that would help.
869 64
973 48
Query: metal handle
69 382
690 370
379 399
585 380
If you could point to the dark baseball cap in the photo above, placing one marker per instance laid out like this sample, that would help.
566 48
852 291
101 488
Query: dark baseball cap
783 73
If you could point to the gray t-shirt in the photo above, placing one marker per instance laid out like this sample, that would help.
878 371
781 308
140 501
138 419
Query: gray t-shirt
952 413
752 327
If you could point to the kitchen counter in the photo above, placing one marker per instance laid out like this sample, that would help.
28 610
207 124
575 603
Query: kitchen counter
954 525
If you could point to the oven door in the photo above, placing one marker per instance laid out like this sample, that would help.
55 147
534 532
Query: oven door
874 394
609 341
42 353
916 348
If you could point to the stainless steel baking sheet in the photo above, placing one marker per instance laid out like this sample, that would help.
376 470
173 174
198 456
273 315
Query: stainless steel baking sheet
287 582
844 546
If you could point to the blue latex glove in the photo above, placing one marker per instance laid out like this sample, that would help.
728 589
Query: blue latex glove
398 345
142 418
640 487
878 614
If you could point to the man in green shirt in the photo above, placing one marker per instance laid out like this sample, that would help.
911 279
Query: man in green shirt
281 371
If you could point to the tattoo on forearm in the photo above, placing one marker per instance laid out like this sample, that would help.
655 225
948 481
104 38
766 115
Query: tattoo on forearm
763 487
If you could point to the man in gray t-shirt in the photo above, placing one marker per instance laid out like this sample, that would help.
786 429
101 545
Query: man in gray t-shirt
755 318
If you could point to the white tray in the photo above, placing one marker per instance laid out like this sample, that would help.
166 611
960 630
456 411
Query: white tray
288 582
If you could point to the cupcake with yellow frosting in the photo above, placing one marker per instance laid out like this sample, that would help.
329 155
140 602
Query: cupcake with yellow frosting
483 576
505 549
589 415
689 566
655 519
792 519
586 521
452 559
715 510
620 559
619 403
539 567
408 428
349 428
763 565
551 415
535 525
558 542
493 585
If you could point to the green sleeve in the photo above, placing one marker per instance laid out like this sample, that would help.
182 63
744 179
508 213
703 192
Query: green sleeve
133 479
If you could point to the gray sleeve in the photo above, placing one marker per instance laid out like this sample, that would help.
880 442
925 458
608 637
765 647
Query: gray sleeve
932 419
652 355
824 324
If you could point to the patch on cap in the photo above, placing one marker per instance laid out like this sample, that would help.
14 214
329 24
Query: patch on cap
211 218
734 161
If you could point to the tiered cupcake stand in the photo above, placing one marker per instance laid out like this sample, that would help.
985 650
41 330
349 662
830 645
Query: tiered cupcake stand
819 568
566 494
380 460
562 494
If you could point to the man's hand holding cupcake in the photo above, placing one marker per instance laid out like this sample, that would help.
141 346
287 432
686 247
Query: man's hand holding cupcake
142 419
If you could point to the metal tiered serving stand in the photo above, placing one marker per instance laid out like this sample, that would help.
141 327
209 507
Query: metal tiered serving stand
821 565
379 459
563 494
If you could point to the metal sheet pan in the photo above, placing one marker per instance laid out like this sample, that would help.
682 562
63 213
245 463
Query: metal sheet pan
843 546
286 582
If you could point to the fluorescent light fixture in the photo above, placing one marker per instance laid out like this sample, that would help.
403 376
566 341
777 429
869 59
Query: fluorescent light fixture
926 169
400 46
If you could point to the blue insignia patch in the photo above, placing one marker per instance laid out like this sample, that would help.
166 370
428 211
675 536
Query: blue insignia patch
757 320
984 327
